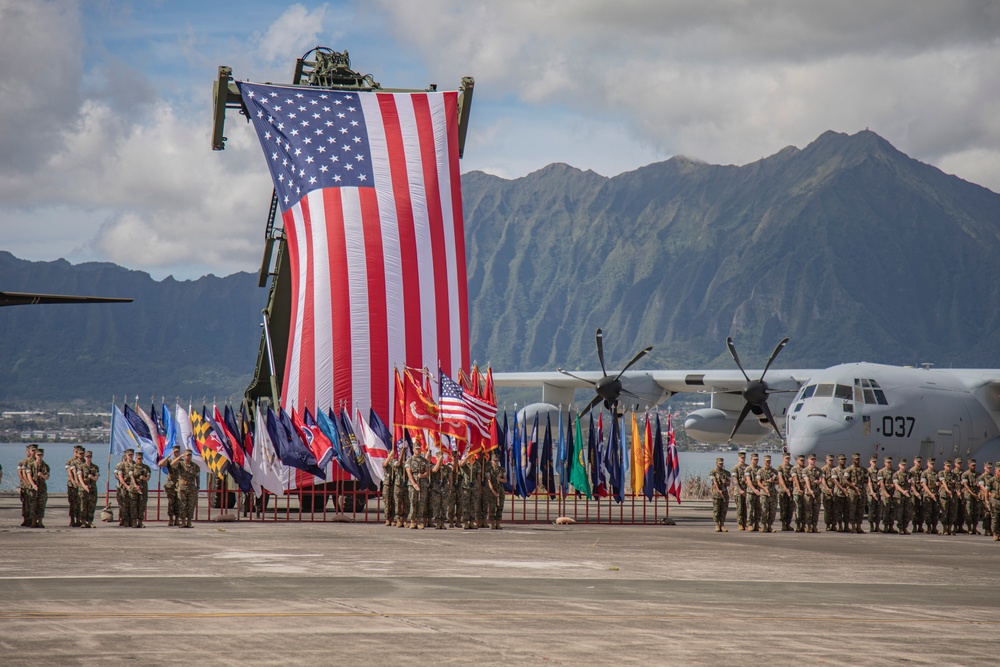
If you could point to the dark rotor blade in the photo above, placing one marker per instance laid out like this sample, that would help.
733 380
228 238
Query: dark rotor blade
739 422
636 358
590 406
770 418
565 372
31 299
777 348
600 350
626 392
736 358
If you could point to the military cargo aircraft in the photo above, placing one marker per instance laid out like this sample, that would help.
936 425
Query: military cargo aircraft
856 407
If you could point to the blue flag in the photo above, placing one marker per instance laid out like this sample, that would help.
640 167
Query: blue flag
379 427
349 443
505 448
122 435
170 429
593 457
325 422
517 448
531 459
659 462
140 428
613 460
289 446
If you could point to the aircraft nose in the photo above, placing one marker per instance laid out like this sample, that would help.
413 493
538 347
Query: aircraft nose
817 434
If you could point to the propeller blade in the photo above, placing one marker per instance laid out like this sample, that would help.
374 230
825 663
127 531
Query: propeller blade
743 415
778 348
736 358
636 358
626 392
600 349
590 406
770 418
575 377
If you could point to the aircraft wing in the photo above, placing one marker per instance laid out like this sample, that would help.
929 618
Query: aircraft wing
29 299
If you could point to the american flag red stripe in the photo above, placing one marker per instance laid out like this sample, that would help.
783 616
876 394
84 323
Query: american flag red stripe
370 195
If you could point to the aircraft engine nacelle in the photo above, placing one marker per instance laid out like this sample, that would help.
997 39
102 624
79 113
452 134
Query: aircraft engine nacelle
713 425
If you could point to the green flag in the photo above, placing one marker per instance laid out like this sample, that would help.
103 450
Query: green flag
578 475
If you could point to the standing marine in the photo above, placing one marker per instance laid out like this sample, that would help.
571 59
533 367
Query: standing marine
929 496
123 492
40 476
857 486
390 469
904 497
496 477
767 489
799 494
739 475
418 472
984 503
89 473
73 486
786 505
188 481
970 497
887 492
721 480
813 478
140 475
826 485
874 501
169 462
753 494
25 472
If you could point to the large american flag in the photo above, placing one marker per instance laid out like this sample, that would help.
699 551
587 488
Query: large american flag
370 198
458 405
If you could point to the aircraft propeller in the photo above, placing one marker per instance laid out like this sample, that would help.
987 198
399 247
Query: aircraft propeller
609 388
755 392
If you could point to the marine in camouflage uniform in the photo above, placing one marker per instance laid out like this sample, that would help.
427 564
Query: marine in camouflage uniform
948 498
170 462
826 485
813 478
89 473
958 525
918 503
739 474
904 498
25 468
73 486
799 494
495 478
476 495
970 497
41 497
753 494
993 496
140 474
123 494
857 484
418 474
440 492
188 480
838 479
929 496
887 494
389 471
767 487
466 481
721 480
454 513
872 495
985 480
785 505
401 492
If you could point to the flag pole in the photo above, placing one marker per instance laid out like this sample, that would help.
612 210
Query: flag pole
111 439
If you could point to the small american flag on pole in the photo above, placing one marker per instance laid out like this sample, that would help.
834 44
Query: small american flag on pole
458 405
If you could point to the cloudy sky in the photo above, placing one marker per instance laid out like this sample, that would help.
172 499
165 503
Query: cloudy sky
105 105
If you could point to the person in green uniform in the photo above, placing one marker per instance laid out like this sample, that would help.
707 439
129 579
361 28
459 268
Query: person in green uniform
786 506
73 486
25 468
141 474
169 462
929 496
739 476
721 480
904 499
40 476
874 502
89 473
496 478
188 481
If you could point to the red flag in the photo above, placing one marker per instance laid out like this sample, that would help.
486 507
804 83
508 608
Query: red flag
313 437
419 410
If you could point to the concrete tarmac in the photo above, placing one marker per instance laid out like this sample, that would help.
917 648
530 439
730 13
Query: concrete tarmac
265 593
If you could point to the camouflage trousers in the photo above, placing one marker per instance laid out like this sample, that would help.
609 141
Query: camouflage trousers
931 512
720 507
741 509
888 513
173 506
187 501
88 504
874 512
802 518
454 516
465 509
73 495
840 511
485 504
28 506
474 509
139 501
995 516
389 501
439 503
126 509
987 515
768 509
828 511
419 505
971 513
753 509
786 507
959 511
41 499
401 497
948 507
918 512
498 503
855 508
904 513
812 510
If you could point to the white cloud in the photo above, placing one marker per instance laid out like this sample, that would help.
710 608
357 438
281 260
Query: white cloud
294 32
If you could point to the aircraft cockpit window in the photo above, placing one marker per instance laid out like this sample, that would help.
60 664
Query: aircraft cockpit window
859 394
809 391
875 385
880 397
824 390
799 407
870 397
844 392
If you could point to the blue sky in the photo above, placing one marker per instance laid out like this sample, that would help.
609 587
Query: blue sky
105 113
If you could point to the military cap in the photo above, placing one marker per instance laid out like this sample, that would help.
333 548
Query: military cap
767 457
918 459
932 460
958 459
32 446
902 460
88 453
887 458
800 456
741 453
719 459
841 457
755 455
77 448
129 451
874 457
972 460
139 454
812 457
40 450
856 455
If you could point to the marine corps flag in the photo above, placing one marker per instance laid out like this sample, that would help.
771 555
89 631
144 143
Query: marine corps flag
419 409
